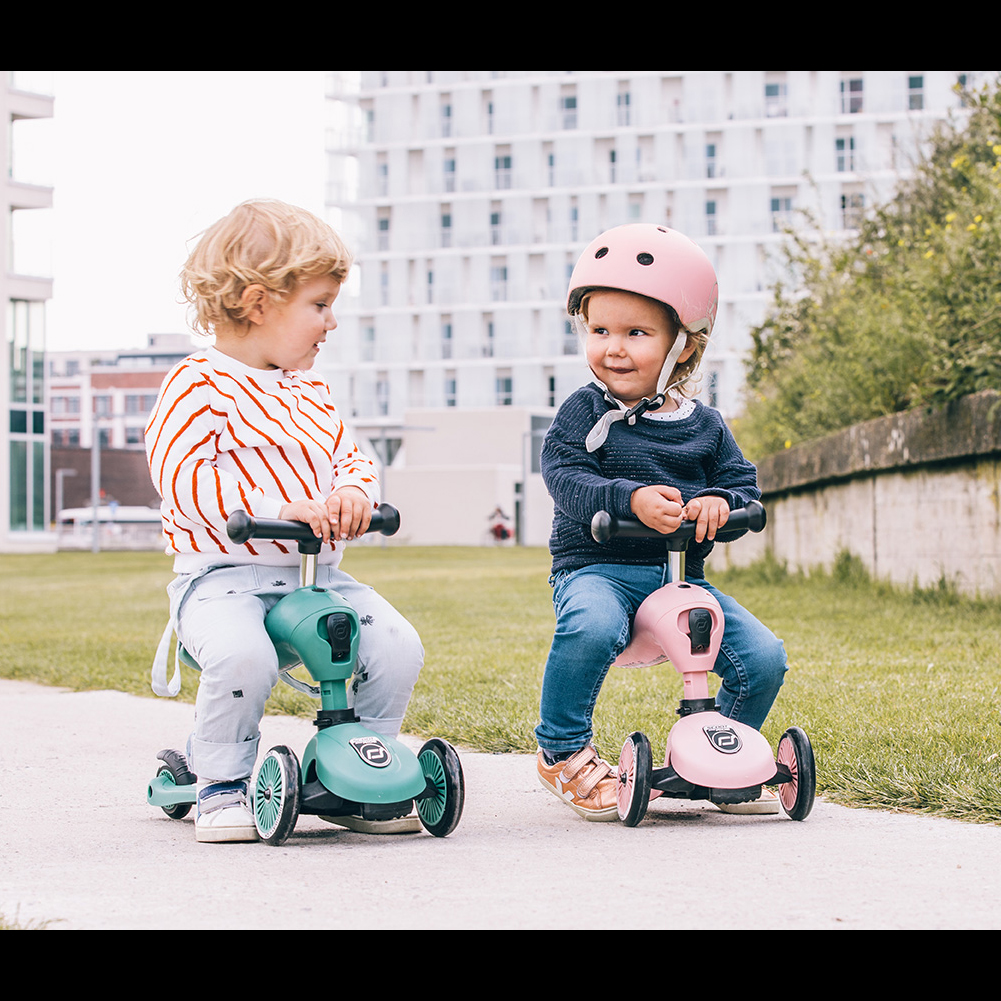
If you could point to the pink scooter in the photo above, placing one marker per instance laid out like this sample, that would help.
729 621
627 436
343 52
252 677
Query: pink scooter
708 755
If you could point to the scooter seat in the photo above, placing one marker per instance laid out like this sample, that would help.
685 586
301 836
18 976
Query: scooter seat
661 630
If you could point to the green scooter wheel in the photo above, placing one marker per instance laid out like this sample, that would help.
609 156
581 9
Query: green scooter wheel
441 809
179 810
276 795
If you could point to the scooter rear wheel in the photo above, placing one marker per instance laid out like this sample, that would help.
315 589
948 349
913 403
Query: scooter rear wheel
276 795
796 753
635 775
440 812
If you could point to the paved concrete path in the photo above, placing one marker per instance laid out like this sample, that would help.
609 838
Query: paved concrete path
79 847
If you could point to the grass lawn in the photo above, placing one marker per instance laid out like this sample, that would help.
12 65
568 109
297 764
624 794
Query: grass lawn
899 691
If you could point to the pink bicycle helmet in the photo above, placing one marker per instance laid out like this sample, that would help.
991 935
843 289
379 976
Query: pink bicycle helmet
654 261
658 263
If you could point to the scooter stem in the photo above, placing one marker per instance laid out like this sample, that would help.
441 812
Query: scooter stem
696 685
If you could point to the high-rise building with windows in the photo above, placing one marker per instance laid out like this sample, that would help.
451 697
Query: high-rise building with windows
24 495
468 196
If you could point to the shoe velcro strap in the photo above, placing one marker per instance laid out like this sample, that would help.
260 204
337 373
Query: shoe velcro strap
221 795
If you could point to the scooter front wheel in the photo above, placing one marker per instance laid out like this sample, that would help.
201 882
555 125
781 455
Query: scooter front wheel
178 810
635 775
276 795
796 753
441 809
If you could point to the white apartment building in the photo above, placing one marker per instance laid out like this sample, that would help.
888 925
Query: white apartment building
468 195
25 99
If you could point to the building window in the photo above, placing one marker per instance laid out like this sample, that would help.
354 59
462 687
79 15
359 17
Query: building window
498 282
488 344
382 394
622 99
776 100
781 212
368 343
568 111
570 341
844 152
851 96
446 228
711 218
502 171
448 170
445 118
450 391
102 406
495 228
915 93
852 206
711 160
446 340
504 388
383 233
134 436
61 405
139 403
712 389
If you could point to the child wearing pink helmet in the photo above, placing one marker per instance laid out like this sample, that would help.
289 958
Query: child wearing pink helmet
634 443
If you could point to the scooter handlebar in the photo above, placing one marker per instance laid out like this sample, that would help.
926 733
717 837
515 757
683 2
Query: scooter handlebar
241 527
605 527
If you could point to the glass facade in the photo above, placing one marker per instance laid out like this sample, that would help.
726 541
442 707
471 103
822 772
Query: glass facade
26 415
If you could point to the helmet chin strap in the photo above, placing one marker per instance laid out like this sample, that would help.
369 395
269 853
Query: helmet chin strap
597 435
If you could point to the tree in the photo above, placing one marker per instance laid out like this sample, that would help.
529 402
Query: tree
905 313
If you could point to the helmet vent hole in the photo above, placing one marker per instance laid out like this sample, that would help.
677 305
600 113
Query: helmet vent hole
644 258
600 253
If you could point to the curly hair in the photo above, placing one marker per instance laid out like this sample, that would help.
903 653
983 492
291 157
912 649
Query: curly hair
261 242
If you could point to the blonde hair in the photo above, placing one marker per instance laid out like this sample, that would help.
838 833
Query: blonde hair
684 372
261 242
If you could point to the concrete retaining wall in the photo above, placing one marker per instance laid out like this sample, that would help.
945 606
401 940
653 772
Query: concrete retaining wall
916 496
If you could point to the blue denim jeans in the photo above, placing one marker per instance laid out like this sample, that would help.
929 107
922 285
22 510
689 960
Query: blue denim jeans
594 612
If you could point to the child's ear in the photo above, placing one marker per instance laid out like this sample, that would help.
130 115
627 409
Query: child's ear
254 302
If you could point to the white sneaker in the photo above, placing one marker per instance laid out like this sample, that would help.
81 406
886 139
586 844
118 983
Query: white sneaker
767 802
223 812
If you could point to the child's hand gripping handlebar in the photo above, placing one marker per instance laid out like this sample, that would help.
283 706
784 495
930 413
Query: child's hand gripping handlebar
241 527
604 527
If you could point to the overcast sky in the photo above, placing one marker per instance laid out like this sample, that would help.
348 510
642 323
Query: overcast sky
141 162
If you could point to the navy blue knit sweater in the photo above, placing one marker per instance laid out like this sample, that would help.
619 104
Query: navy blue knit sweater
696 454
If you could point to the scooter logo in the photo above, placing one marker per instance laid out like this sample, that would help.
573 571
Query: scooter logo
372 751
724 738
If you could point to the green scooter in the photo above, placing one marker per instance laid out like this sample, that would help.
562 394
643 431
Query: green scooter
347 769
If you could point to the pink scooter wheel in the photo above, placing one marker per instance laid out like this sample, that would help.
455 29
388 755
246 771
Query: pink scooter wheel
635 772
796 753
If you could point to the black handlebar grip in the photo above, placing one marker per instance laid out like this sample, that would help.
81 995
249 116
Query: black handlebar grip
241 527
604 526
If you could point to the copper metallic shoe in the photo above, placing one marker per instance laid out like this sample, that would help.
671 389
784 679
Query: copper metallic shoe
584 782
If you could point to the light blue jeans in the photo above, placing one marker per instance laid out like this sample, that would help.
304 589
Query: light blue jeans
594 612
219 618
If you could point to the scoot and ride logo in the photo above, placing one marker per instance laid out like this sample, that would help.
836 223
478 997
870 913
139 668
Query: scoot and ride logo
372 751
724 738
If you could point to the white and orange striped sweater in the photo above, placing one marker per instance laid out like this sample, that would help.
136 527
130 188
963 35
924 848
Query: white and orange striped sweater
224 436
